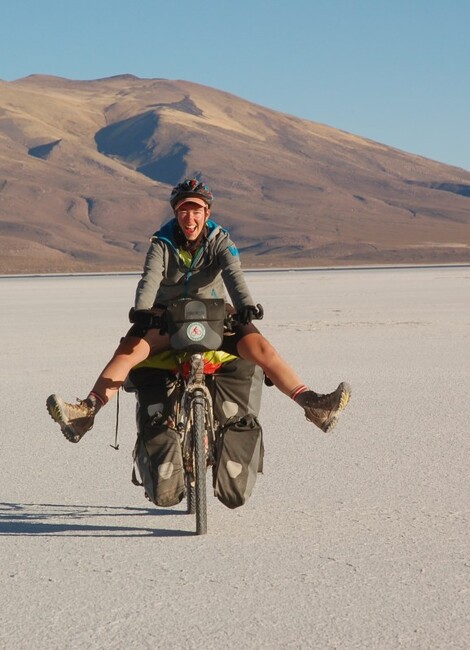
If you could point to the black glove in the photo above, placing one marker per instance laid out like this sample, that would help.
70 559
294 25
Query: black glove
248 313
147 319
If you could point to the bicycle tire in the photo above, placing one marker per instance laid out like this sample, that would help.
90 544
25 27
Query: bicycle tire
190 495
200 466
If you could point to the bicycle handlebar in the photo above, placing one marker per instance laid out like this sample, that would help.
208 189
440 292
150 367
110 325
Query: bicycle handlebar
147 319
244 316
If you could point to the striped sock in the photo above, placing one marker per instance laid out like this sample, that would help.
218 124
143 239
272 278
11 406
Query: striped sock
298 391
96 400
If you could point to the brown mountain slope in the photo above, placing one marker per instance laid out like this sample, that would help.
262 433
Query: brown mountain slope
86 168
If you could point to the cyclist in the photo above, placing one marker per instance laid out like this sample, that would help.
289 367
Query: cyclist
192 256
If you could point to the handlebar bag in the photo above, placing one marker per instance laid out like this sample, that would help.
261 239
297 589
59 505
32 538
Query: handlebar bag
196 325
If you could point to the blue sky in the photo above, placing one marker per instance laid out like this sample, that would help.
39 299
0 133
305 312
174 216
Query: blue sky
395 71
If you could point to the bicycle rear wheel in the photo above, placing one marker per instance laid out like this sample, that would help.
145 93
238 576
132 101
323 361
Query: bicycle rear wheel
200 466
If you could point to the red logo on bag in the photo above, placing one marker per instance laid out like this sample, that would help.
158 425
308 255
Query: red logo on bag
196 331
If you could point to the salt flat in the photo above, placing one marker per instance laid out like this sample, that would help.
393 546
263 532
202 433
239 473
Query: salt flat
357 539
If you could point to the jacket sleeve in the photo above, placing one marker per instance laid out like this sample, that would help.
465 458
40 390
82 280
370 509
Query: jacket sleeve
152 276
232 275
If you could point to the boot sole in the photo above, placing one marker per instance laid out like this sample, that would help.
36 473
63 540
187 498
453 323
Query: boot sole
343 401
55 410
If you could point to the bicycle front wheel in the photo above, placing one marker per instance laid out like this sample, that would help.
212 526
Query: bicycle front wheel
200 466
190 494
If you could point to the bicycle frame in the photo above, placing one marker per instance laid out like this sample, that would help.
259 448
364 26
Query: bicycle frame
196 426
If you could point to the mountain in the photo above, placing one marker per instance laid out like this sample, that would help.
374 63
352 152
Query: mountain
86 169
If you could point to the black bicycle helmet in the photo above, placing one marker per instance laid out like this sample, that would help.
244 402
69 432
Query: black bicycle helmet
190 188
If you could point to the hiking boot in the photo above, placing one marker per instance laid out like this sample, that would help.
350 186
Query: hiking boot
324 410
74 419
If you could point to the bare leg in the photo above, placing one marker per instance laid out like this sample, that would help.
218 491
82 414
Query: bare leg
255 348
322 410
76 419
131 351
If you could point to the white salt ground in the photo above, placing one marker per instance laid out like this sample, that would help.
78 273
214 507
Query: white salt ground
358 539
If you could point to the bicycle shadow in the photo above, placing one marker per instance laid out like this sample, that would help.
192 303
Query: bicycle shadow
65 520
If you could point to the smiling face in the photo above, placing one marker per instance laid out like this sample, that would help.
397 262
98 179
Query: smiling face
191 218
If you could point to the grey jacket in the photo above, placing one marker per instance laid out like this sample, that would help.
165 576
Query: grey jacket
215 266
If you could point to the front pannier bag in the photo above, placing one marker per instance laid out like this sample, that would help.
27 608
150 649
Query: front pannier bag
240 453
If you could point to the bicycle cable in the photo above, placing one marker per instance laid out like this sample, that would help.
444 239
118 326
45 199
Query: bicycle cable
116 446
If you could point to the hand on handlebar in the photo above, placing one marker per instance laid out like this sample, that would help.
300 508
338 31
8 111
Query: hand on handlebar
249 313
148 319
